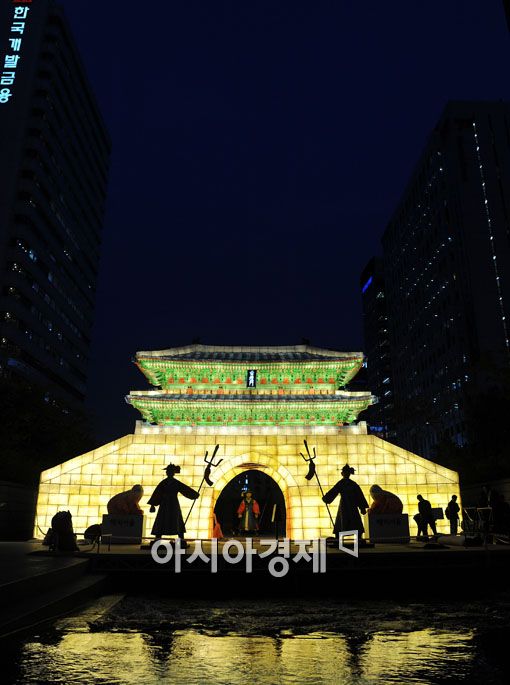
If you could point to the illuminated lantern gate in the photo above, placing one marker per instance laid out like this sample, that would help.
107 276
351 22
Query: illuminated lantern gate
258 404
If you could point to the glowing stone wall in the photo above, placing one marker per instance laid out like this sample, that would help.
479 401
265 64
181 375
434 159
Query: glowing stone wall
84 484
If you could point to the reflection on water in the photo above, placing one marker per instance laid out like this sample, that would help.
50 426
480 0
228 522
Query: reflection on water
152 641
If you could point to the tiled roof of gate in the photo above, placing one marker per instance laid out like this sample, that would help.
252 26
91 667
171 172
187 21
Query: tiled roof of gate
296 353
170 397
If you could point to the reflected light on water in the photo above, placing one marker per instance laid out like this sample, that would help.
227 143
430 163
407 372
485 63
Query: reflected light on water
415 657
190 657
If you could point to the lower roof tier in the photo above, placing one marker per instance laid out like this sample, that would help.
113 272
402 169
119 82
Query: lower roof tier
245 410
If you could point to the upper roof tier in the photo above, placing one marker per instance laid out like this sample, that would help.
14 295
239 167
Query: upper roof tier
223 353
206 365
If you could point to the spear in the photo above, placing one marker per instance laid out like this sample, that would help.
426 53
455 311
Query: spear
312 471
206 477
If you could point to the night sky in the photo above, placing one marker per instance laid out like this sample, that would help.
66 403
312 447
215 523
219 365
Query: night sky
259 149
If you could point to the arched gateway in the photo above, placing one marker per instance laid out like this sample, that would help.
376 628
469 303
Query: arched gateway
258 405
267 493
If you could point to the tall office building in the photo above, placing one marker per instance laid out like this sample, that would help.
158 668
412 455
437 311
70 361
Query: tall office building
446 258
54 155
506 6
377 349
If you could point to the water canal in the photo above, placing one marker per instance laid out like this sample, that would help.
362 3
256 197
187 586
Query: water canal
146 640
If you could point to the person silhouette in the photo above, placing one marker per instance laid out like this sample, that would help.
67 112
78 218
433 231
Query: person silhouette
352 502
452 514
169 519
425 518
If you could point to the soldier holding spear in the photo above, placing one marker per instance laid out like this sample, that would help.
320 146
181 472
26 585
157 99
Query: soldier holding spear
352 502
169 519
352 499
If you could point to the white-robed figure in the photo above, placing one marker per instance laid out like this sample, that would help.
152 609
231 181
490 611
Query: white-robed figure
352 502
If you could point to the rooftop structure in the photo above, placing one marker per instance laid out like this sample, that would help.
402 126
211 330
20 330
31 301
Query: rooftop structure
207 385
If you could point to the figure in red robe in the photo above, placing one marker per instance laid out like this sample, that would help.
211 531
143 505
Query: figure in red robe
248 513
217 532
169 520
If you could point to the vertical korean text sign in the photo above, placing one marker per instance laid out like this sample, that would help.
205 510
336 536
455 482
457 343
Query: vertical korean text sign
11 54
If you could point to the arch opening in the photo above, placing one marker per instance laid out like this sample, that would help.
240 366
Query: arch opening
272 520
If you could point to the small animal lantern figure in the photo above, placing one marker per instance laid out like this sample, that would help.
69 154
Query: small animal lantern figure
61 536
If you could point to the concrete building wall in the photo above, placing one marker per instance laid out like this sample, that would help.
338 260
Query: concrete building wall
17 509
447 276
53 176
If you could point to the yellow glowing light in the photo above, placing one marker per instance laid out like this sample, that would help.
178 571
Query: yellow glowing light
86 483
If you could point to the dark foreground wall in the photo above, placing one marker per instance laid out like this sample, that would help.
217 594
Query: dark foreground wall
17 511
